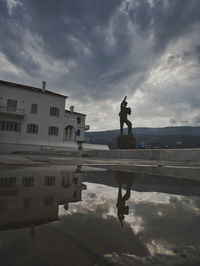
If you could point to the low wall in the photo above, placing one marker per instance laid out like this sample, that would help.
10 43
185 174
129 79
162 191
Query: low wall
7 148
88 147
188 155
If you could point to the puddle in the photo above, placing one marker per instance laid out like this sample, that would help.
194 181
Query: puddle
79 215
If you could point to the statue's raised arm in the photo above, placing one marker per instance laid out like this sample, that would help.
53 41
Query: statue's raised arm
124 101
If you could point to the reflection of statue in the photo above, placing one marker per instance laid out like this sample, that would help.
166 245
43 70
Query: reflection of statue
122 209
123 117
121 203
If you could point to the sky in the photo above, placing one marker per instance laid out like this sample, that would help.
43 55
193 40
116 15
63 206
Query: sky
98 51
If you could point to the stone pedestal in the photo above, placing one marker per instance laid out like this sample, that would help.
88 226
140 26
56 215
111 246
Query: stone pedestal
126 142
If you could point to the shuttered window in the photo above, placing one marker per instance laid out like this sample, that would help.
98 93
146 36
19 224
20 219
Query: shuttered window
32 128
10 126
28 181
50 180
11 105
54 111
8 182
53 131
48 201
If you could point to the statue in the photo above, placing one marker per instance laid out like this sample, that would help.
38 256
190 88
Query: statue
123 117
125 141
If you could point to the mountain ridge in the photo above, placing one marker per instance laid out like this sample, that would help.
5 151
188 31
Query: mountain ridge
177 130
165 137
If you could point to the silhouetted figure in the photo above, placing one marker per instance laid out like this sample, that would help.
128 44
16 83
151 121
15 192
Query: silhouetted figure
121 203
128 179
123 117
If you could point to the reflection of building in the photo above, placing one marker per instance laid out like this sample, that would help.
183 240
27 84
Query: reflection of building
33 196
35 118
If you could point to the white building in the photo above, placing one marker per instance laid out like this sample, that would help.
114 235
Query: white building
33 119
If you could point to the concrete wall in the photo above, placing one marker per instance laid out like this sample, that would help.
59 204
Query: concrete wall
192 155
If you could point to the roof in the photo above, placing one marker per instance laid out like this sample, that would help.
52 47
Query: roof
21 86
67 111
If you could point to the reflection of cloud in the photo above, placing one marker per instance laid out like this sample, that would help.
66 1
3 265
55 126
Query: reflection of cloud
161 221
170 225
103 235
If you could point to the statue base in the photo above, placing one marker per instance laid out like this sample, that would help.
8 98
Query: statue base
126 142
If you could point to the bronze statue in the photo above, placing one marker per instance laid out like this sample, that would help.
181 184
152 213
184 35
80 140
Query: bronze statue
123 117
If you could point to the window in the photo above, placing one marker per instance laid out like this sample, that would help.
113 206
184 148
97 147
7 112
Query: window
32 128
11 105
78 133
65 183
48 201
7 182
78 120
54 111
75 180
49 180
10 126
34 108
53 131
26 203
28 181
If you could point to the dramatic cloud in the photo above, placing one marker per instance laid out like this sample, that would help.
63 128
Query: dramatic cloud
98 51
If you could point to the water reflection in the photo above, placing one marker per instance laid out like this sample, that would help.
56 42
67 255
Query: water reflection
127 179
30 197
160 218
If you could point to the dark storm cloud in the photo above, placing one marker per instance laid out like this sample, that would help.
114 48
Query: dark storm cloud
83 31
97 49
197 48
12 35
165 18
61 25
78 31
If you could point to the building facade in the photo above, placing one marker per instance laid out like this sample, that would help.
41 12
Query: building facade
33 119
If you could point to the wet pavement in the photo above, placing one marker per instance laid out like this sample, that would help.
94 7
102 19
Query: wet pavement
77 214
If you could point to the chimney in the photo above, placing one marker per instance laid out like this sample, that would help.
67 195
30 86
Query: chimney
71 108
43 86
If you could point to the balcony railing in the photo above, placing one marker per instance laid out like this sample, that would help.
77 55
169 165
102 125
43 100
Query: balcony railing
12 111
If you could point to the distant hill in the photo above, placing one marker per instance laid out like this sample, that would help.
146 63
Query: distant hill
168 137
189 131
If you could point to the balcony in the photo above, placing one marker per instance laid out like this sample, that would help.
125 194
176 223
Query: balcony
14 112
87 127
